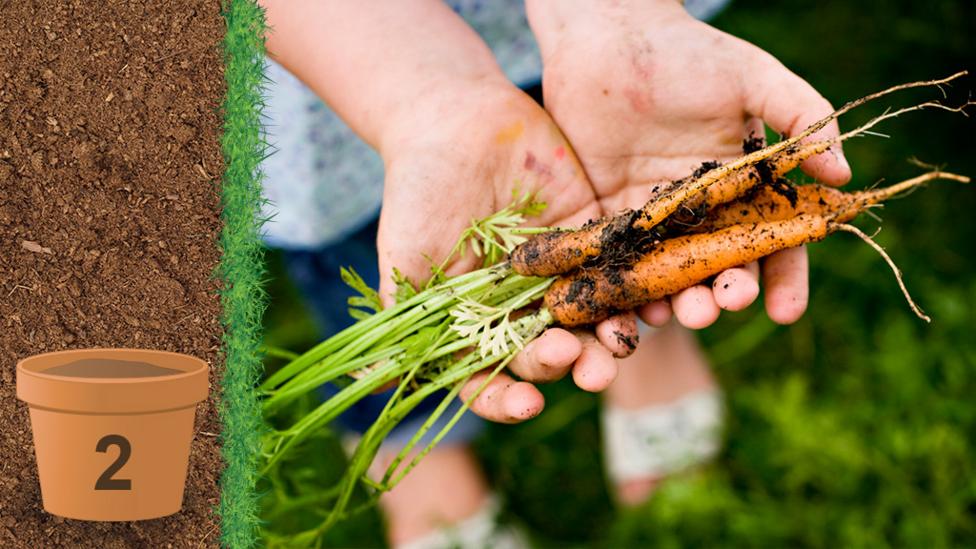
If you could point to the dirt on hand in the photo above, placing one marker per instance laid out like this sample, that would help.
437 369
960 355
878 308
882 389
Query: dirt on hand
109 215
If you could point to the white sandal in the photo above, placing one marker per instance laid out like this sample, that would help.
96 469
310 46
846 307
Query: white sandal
659 440
479 531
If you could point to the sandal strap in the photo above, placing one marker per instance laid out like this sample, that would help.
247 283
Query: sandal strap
655 441
478 531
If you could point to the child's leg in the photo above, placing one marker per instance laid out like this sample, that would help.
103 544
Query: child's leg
445 488
664 398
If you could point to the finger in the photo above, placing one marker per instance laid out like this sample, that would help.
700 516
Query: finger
548 357
503 399
756 129
656 313
409 235
619 334
789 104
395 250
786 280
735 289
695 307
595 369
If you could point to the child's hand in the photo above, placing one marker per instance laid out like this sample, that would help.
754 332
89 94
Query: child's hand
413 80
645 93
458 155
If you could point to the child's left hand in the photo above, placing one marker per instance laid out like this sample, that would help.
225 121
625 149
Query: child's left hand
645 93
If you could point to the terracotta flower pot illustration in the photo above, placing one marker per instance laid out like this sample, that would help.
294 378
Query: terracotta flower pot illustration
112 429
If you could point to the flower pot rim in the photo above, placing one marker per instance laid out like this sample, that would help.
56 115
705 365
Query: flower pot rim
24 366
113 395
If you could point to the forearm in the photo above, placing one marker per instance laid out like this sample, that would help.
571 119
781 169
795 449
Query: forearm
373 62
576 20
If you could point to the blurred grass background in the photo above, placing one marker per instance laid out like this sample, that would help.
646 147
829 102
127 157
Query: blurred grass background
855 427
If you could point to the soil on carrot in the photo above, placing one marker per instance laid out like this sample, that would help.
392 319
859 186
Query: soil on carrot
109 164
621 243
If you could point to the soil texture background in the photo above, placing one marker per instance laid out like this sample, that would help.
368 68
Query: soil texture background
109 214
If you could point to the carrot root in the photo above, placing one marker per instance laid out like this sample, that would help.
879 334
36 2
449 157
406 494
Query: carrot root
769 204
591 295
894 268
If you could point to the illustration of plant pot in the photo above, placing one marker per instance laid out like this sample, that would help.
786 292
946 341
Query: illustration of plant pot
112 429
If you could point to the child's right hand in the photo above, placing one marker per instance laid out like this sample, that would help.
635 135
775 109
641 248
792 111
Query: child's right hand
459 154
647 93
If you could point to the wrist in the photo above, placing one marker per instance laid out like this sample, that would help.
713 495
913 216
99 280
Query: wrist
441 106
569 21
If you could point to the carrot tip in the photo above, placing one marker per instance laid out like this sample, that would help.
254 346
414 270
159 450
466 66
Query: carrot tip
894 268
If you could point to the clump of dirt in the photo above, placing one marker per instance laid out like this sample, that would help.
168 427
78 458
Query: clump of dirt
705 167
109 214
752 143
780 185
622 244
783 187
627 340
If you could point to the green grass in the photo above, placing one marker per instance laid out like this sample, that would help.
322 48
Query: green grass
854 427
241 270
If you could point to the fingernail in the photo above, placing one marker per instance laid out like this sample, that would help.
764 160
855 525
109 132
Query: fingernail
532 351
839 156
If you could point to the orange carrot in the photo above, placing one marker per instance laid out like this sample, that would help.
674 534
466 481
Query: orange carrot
593 294
559 252
566 250
772 204
734 234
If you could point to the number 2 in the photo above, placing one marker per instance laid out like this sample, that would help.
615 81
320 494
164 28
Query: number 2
106 482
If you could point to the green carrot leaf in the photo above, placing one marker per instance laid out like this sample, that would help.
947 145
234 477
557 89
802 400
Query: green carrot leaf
358 314
404 288
368 300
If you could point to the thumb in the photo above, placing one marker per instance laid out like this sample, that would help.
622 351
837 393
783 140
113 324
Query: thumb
388 259
416 231
789 104
396 249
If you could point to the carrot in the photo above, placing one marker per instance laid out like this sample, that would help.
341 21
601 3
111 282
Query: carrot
735 234
558 252
690 230
772 203
562 251
593 294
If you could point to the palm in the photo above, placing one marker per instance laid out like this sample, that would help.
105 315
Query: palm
465 167
657 117
439 181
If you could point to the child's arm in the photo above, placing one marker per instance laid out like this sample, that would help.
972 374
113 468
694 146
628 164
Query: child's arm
374 62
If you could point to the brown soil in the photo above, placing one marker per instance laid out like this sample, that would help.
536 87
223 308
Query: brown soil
109 164
106 368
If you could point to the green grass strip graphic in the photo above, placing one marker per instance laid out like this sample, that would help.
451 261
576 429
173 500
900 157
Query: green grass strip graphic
242 270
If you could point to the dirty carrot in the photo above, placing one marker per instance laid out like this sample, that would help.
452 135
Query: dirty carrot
593 294
438 336
773 204
736 234
560 252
